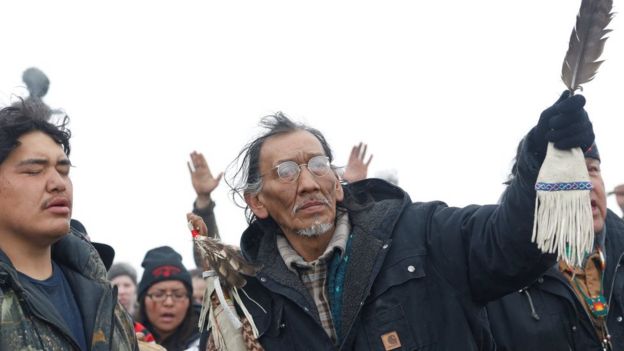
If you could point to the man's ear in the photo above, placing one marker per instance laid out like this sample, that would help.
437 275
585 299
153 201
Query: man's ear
339 191
256 205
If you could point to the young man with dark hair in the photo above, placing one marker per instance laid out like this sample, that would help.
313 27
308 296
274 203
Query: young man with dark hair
53 289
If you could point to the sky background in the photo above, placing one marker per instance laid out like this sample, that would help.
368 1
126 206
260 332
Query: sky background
442 91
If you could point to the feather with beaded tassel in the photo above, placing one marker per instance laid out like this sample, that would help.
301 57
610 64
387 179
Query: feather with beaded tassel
563 214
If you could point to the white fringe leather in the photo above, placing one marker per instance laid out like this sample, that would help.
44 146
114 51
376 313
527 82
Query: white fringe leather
223 320
240 303
563 220
231 311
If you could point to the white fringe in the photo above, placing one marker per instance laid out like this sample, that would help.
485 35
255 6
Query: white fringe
223 321
563 220
564 224
234 293
206 305
230 311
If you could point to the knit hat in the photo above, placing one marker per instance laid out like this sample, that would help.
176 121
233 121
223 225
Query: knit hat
161 264
592 152
122 268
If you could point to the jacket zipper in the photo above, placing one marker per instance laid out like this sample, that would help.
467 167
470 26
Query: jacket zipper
617 267
112 325
26 310
385 251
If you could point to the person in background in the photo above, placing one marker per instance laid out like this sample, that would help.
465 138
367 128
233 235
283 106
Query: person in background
619 196
124 277
165 300
53 287
199 285
357 168
571 309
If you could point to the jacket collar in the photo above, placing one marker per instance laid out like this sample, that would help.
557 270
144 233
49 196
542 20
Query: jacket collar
372 204
75 252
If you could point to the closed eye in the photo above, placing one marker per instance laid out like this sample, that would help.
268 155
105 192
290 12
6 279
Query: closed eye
63 170
33 171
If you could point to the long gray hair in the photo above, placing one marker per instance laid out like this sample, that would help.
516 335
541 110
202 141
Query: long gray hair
245 175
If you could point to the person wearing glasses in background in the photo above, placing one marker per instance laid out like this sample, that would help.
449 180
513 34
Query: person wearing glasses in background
165 305
362 267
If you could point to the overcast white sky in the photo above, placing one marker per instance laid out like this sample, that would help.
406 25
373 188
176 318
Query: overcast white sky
442 91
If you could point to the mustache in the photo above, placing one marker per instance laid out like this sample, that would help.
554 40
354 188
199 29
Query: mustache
305 201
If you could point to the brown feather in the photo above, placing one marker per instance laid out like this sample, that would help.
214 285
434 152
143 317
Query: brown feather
225 260
586 43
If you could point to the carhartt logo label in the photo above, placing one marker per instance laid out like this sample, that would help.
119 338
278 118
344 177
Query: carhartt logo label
391 341
165 271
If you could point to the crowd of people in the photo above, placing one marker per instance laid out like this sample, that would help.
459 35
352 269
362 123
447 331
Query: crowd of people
342 261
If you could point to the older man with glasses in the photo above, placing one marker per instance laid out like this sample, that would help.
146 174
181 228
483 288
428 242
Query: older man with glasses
362 267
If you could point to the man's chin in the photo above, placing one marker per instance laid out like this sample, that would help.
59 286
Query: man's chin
316 230
58 233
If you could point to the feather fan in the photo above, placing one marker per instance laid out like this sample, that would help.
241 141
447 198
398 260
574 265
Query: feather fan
225 277
225 260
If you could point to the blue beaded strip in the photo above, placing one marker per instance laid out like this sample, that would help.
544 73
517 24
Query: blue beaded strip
563 186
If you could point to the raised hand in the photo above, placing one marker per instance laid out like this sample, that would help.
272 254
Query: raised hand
357 168
202 179
566 124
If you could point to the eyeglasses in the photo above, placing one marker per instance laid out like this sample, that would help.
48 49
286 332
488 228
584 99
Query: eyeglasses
161 296
288 171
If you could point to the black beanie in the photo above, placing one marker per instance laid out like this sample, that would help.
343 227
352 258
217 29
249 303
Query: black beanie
161 264
592 152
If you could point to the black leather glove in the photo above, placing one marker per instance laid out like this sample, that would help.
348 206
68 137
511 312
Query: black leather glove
565 124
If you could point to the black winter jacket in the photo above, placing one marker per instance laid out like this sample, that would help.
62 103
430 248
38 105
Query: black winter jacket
420 272
547 315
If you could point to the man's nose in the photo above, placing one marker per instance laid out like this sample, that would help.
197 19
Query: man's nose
57 182
307 180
